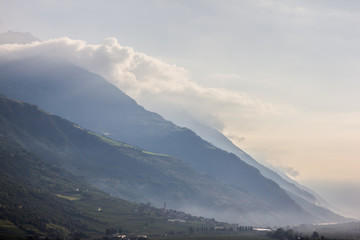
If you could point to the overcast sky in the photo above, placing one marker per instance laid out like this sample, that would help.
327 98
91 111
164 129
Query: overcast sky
279 78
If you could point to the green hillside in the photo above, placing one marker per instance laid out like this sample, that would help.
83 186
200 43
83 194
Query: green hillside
125 171
50 170
37 198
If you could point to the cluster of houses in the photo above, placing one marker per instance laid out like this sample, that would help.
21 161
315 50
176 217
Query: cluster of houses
126 237
210 224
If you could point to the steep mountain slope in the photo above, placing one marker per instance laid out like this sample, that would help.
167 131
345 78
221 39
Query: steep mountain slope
130 172
38 198
93 103
300 194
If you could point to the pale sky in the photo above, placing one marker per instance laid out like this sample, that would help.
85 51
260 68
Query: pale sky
279 78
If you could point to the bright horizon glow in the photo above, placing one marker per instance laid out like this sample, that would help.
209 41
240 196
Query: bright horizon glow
279 78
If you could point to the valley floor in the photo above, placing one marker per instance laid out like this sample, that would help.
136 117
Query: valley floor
240 236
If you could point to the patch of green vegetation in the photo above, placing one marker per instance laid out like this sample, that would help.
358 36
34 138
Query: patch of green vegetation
7 228
7 224
77 126
155 154
120 144
71 198
62 229
32 229
110 141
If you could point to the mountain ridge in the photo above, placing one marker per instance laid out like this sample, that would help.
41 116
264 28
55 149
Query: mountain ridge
303 196
119 168
39 199
139 127
218 139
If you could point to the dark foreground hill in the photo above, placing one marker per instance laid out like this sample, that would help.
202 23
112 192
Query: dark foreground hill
93 103
130 172
40 199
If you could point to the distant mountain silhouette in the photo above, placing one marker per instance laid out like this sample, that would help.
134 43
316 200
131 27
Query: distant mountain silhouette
93 103
303 196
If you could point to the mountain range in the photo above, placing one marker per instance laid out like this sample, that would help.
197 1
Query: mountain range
169 163
39 198
123 170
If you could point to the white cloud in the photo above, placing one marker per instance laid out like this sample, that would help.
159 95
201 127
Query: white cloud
150 81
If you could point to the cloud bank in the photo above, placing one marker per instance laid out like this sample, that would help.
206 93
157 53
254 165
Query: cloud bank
279 134
157 85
